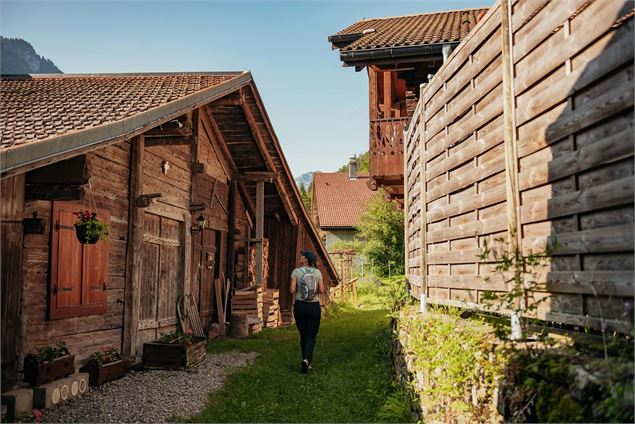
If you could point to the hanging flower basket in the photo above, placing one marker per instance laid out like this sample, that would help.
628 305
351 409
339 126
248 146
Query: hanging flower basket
89 229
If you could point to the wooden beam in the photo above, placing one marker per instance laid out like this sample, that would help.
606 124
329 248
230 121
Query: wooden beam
423 198
253 125
229 100
258 176
509 121
266 156
210 126
170 141
372 93
260 229
249 204
387 94
195 165
231 236
135 249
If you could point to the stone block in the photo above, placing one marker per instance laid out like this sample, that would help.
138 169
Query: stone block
18 402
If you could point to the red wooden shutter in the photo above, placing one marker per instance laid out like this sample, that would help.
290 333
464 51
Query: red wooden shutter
75 268
95 272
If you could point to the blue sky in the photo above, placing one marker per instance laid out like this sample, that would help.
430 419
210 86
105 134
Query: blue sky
318 108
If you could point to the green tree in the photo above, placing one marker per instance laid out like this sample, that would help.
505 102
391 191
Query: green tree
363 163
307 195
380 231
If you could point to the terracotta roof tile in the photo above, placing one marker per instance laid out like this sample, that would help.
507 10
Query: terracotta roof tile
39 107
339 200
414 30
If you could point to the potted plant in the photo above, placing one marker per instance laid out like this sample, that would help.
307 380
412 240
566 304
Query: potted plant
104 366
48 363
174 351
89 229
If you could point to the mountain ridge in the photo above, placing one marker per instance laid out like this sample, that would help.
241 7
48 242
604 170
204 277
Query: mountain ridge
18 56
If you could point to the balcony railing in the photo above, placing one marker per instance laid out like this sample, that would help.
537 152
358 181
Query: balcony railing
386 148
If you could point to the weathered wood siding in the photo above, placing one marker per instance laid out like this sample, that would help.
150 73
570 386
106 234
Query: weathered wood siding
568 138
211 189
165 261
12 190
83 335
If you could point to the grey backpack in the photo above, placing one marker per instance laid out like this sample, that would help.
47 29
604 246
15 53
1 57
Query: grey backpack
308 285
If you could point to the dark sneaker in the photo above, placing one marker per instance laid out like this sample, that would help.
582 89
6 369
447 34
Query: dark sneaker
305 366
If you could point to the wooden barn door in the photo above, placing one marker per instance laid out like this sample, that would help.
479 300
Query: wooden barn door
204 268
161 277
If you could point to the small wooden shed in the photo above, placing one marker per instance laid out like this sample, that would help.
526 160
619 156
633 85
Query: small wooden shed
190 176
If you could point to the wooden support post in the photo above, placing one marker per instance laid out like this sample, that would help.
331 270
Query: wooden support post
11 214
423 198
260 229
406 192
231 236
186 236
372 93
509 119
511 153
387 94
135 249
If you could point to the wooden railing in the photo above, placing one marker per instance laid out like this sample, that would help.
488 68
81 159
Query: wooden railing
386 147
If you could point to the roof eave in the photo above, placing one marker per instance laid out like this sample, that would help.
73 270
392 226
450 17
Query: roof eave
360 58
18 159
337 228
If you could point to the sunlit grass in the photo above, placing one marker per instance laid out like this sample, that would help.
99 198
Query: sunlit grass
350 380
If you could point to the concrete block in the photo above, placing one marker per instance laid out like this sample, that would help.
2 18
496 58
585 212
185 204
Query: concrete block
18 402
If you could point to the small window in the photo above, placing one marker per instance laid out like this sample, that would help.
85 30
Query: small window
79 272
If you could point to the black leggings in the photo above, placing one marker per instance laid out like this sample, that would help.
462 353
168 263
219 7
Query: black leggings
307 318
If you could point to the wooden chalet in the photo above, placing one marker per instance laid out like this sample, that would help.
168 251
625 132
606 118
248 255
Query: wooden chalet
190 176
399 54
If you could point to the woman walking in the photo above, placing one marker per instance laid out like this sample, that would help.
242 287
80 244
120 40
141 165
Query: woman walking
306 285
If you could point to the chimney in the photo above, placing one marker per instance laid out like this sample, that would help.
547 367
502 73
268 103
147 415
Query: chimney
352 168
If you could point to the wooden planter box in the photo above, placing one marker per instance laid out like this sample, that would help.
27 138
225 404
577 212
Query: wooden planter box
100 374
37 374
173 355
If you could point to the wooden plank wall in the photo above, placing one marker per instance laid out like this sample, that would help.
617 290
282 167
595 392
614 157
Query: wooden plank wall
282 259
412 204
165 263
570 139
12 190
83 335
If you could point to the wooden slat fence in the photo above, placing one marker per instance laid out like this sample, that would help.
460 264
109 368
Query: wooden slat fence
527 131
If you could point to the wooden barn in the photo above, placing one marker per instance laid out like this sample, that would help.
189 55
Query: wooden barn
399 54
526 134
188 173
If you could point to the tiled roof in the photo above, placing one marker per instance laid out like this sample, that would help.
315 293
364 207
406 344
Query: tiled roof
339 200
414 30
36 108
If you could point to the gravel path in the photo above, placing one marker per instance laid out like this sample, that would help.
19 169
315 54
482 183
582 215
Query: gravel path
151 396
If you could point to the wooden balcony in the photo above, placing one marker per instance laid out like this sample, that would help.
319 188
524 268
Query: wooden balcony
386 153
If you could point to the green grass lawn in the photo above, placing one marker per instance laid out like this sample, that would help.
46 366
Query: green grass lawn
350 380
